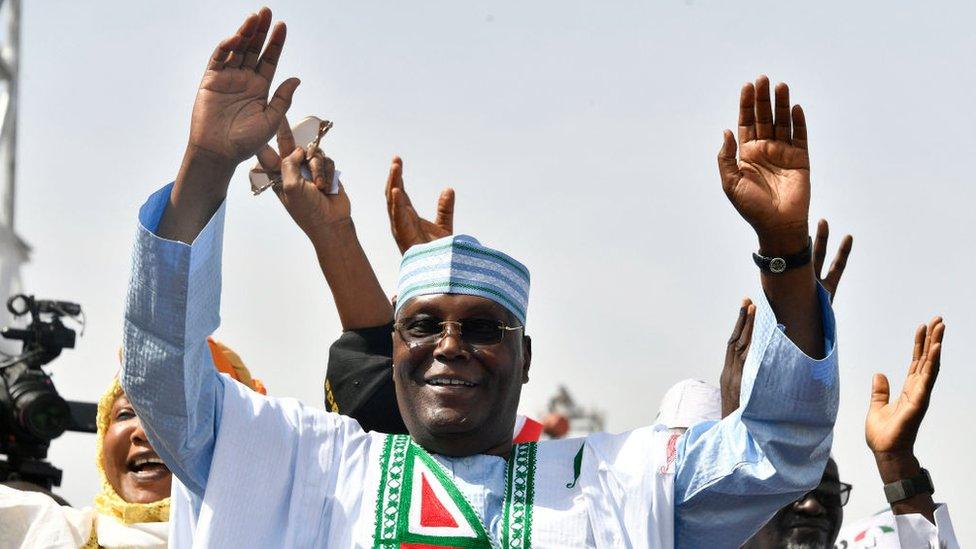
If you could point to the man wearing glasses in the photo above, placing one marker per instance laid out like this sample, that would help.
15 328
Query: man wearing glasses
812 521
272 472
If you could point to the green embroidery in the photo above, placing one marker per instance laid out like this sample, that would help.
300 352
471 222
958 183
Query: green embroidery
519 496
388 499
467 510
577 464
393 500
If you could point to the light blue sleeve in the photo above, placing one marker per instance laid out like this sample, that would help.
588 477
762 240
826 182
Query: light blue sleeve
731 476
173 304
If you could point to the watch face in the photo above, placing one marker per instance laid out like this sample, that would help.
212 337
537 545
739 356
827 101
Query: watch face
777 265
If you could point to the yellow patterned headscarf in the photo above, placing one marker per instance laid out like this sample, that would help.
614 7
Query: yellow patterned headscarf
107 501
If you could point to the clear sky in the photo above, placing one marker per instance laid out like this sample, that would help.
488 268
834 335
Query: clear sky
581 137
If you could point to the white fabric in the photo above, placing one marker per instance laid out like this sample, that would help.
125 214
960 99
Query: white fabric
916 531
316 466
33 520
278 474
185 506
689 402
888 531
111 533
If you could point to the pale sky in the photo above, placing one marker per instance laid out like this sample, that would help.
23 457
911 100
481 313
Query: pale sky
581 138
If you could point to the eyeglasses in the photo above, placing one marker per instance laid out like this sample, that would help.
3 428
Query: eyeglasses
830 498
477 332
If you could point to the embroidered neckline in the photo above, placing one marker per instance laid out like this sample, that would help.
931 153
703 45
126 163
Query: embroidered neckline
419 505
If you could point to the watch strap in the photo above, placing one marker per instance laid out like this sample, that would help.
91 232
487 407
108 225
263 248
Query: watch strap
777 265
906 488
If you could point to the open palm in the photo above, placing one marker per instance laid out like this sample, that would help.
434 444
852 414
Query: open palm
769 183
232 116
892 427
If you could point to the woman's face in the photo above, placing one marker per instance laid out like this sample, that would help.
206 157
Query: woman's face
132 466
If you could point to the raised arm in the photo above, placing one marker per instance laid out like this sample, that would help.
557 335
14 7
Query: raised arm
232 118
327 221
731 476
174 291
891 429
737 346
769 185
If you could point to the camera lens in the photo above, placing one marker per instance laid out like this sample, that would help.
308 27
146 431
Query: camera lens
37 408
44 415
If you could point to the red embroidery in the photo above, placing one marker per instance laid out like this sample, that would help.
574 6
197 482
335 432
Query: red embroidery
672 453
432 511
861 536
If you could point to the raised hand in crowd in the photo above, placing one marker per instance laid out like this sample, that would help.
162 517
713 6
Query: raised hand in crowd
314 210
407 226
737 347
232 118
327 221
837 267
736 351
892 426
769 185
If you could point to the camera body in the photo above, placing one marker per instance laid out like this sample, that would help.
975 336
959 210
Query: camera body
32 413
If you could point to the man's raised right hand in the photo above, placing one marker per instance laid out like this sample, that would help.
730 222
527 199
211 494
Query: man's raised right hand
232 116
232 119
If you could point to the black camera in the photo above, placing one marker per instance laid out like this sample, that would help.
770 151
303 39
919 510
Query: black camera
32 413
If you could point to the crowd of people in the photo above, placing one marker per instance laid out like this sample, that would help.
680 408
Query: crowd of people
420 443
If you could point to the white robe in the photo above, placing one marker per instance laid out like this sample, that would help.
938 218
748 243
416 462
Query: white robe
270 472
32 520
337 472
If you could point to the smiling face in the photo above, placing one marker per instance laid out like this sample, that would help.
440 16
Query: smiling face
459 399
811 522
131 465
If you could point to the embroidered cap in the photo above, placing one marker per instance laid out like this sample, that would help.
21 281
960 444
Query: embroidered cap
459 264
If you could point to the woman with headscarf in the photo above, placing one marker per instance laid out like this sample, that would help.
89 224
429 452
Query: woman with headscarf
133 507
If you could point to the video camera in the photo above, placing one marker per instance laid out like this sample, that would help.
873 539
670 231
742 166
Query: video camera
32 413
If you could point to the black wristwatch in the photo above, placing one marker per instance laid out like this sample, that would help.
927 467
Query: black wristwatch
904 489
777 265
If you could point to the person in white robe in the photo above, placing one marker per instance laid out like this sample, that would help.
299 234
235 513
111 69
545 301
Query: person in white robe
132 509
272 472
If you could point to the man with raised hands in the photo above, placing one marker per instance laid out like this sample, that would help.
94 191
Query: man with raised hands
272 472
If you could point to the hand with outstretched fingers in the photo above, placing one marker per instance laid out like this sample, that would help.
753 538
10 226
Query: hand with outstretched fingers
836 271
307 202
769 183
892 426
232 116
232 119
736 351
407 226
